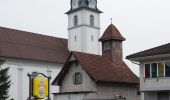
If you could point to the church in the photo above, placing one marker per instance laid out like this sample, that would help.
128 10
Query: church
84 71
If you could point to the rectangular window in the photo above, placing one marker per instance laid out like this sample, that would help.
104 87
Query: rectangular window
167 69
75 38
154 70
147 70
160 69
92 38
77 78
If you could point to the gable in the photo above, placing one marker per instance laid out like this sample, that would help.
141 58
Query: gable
68 85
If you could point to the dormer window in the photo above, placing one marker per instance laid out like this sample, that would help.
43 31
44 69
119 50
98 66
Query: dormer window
77 78
75 20
91 20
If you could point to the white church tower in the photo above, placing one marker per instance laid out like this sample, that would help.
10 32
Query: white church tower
84 26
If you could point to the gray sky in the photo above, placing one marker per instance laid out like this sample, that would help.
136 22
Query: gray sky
144 23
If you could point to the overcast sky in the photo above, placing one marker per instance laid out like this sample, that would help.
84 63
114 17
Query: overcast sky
144 23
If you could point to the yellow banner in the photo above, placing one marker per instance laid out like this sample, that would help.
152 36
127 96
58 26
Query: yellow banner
40 86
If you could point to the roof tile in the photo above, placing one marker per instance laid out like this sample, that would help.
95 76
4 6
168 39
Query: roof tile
112 33
100 68
26 45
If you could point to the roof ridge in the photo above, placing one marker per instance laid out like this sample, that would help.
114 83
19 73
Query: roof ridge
31 32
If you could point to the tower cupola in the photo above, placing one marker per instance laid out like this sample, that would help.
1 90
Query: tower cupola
112 44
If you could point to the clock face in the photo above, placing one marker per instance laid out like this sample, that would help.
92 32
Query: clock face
74 4
92 3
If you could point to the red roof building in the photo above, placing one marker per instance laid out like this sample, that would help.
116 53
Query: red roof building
108 69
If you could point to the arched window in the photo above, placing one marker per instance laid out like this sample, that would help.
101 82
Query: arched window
91 20
75 20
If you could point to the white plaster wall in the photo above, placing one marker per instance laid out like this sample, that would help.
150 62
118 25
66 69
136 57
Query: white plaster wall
93 46
83 32
72 44
19 69
83 18
153 84
87 85
87 19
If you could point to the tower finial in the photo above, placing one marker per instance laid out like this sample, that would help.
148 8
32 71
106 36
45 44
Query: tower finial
111 20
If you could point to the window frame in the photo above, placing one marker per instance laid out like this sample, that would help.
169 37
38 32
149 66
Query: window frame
92 20
75 80
75 20
92 38
75 38
164 71
165 68
106 45
149 70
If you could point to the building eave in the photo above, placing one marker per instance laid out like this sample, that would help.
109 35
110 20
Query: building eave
150 58
84 7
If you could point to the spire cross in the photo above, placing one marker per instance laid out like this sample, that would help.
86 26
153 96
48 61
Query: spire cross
111 20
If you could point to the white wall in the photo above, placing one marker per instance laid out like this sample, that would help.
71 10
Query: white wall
83 31
68 86
153 84
19 69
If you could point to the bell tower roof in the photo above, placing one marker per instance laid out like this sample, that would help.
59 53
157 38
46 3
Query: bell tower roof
77 5
111 33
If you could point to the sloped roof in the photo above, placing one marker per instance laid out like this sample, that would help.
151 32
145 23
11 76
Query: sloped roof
31 46
100 69
163 49
112 33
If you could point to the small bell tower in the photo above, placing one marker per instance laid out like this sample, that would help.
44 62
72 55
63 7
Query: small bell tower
112 44
84 26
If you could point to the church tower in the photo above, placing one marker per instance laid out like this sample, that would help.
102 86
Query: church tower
84 26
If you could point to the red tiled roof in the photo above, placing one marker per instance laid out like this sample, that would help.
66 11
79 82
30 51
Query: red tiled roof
100 68
112 33
31 46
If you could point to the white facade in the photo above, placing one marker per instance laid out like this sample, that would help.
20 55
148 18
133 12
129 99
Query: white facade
154 88
83 37
18 70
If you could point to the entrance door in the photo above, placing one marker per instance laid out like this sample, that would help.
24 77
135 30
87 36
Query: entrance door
163 96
